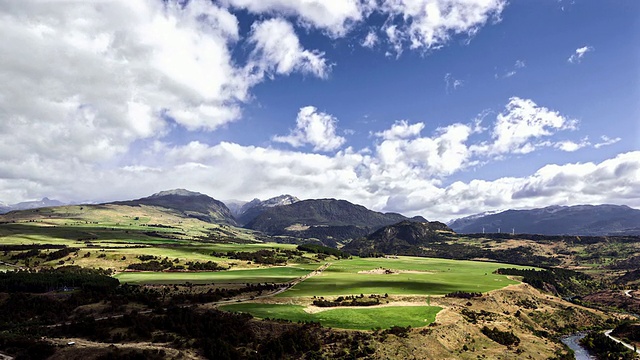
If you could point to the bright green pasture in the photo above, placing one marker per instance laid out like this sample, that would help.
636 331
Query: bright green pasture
279 274
431 277
360 318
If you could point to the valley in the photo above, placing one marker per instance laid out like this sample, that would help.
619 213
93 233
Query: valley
408 287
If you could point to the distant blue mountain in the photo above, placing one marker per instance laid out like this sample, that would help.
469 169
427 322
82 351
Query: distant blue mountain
26 205
596 220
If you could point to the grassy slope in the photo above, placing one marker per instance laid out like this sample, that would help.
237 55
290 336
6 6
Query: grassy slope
440 277
273 274
115 223
356 318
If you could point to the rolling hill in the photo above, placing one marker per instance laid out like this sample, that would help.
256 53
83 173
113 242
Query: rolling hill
403 237
189 203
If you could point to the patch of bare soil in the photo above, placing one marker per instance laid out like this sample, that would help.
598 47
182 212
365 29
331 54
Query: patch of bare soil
297 227
383 271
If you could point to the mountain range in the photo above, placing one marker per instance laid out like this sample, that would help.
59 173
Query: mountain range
595 220
328 220
26 205
334 221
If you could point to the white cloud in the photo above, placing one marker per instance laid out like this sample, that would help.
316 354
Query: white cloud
334 17
430 24
452 84
615 180
606 141
361 178
278 50
370 40
417 24
403 172
88 79
394 37
314 128
401 130
519 64
520 125
403 151
571 146
577 56
93 86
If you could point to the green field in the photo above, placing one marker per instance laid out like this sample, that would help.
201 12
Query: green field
360 318
430 277
279 274
199 251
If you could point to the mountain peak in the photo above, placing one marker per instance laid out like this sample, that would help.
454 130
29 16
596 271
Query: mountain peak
176 192
255 207
285 199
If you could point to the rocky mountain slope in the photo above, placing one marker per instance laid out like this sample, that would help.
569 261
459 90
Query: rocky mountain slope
596 220
255 207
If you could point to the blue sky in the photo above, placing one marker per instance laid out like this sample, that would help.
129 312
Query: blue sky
441 108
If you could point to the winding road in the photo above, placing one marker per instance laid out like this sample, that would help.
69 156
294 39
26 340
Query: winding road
628 346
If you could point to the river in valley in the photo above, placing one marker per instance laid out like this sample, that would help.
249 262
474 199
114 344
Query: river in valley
573 342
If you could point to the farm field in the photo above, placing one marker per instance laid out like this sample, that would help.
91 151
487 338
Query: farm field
361 318
279 274
410 276
197 251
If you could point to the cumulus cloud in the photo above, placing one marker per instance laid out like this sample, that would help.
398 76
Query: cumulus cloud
401 130
611 181
278 50
405 154
571 146
403 172
313 128
416 24
95 89
577 56
430 24
89 80
359 177
520 125
334 17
